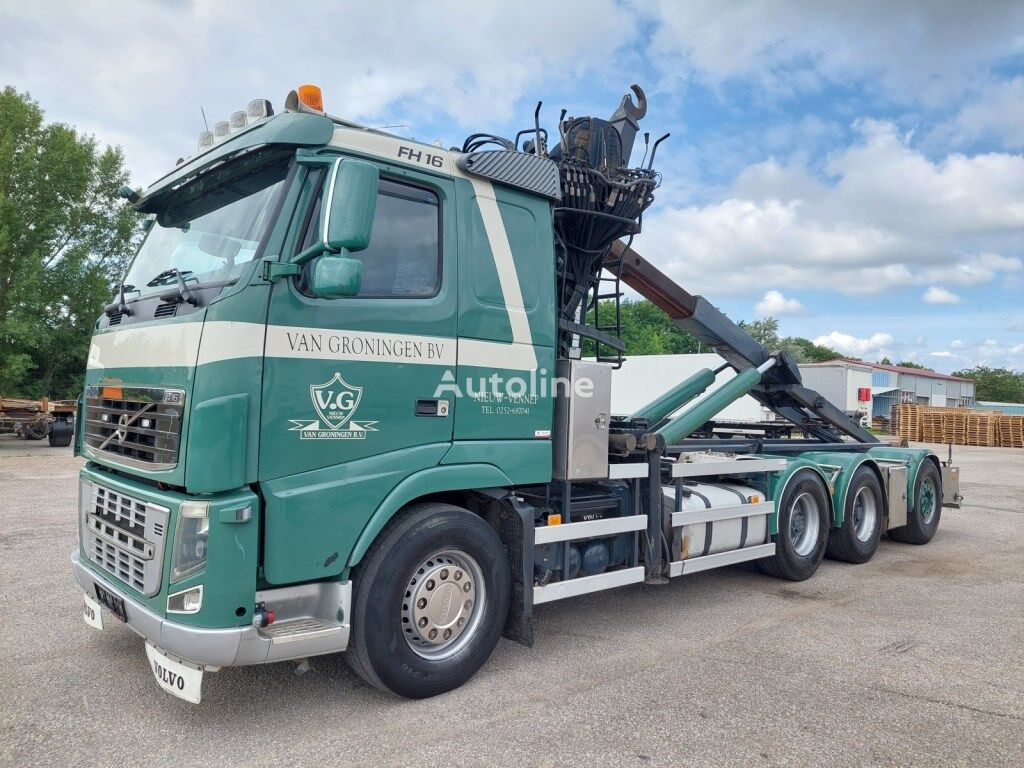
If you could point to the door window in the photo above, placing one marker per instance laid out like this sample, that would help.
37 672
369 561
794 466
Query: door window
403 259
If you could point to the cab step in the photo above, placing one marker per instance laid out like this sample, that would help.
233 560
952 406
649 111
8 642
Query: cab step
301 629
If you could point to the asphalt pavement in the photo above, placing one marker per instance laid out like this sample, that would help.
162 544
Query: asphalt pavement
915 658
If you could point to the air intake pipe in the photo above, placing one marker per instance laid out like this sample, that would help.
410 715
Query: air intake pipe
690 420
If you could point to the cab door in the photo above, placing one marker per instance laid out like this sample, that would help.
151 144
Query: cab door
356 378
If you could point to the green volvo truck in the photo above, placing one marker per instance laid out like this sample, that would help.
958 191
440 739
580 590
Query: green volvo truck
353 394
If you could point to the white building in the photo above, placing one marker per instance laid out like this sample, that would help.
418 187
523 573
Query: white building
642 378
844 383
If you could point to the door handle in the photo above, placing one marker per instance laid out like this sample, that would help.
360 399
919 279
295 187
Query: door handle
431 407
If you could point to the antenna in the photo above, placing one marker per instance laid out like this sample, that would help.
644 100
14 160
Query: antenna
202 111
647 146
536 127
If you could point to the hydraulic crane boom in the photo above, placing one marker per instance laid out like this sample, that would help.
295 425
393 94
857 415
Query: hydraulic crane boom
781 388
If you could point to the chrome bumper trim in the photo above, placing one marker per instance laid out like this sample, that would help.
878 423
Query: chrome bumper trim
232 646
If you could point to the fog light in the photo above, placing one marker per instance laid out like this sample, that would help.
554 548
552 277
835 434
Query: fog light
146 423
104 417
187 601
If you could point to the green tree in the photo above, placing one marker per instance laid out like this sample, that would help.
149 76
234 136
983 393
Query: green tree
65 237
806 351
998 384
912 364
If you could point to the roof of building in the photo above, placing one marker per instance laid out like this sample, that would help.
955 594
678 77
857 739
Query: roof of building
904 369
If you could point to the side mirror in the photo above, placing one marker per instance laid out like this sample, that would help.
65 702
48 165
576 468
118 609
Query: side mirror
349 205
332 276
346 223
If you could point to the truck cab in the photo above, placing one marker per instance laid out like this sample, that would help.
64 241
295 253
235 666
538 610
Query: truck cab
319 416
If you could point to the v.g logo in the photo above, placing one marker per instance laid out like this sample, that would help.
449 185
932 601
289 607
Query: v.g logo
335 402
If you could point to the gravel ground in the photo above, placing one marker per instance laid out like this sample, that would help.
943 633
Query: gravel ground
916 658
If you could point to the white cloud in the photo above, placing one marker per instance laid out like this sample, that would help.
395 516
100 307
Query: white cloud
877 345
919 52
988 352
138 72
884 216
997 112
774 304
936 294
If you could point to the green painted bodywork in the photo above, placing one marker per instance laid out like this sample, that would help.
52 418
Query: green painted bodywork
319 503
229 579
837 468
320 496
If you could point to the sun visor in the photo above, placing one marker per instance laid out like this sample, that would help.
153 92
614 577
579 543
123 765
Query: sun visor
289 129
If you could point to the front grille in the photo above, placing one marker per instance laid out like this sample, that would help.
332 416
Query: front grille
124 536
136 426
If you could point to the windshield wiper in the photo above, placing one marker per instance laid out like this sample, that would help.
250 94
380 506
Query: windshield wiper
161 279
182 293
119 307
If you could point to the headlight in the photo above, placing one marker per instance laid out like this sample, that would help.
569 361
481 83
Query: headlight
189 555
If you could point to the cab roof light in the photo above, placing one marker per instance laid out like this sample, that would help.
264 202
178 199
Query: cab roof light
237 120
311 96
220 130
259 108
205 140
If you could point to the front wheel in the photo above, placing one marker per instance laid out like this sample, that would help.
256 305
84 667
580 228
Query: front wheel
431 597
803 513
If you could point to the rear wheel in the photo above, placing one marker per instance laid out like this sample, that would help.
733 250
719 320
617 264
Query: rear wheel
857 539
431 597
923 519
803 529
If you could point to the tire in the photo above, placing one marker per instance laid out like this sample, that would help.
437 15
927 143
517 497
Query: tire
923 519
431 553
857 539
803 529
61 433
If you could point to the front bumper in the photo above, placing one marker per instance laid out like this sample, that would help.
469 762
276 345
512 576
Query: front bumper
292 637
231 646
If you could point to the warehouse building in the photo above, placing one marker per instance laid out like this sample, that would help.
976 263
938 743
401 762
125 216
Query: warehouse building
844 383
895 384
877 388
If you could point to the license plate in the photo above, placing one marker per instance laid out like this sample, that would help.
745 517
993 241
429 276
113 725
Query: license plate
111 602
93 614
176 677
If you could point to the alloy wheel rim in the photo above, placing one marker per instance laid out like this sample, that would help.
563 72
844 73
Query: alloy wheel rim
804 524
926 504
443 605
865 514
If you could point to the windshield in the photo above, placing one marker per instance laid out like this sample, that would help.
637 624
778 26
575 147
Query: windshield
207 231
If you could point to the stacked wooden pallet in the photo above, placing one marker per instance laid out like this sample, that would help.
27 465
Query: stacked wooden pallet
908 422
982 429
1011 431
954 426
959 426
932 430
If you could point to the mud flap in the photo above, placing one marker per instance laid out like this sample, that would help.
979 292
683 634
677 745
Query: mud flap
513 520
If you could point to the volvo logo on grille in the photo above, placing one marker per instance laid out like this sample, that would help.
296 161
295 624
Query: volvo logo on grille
121 433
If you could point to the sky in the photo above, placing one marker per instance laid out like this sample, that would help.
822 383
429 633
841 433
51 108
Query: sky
854 169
